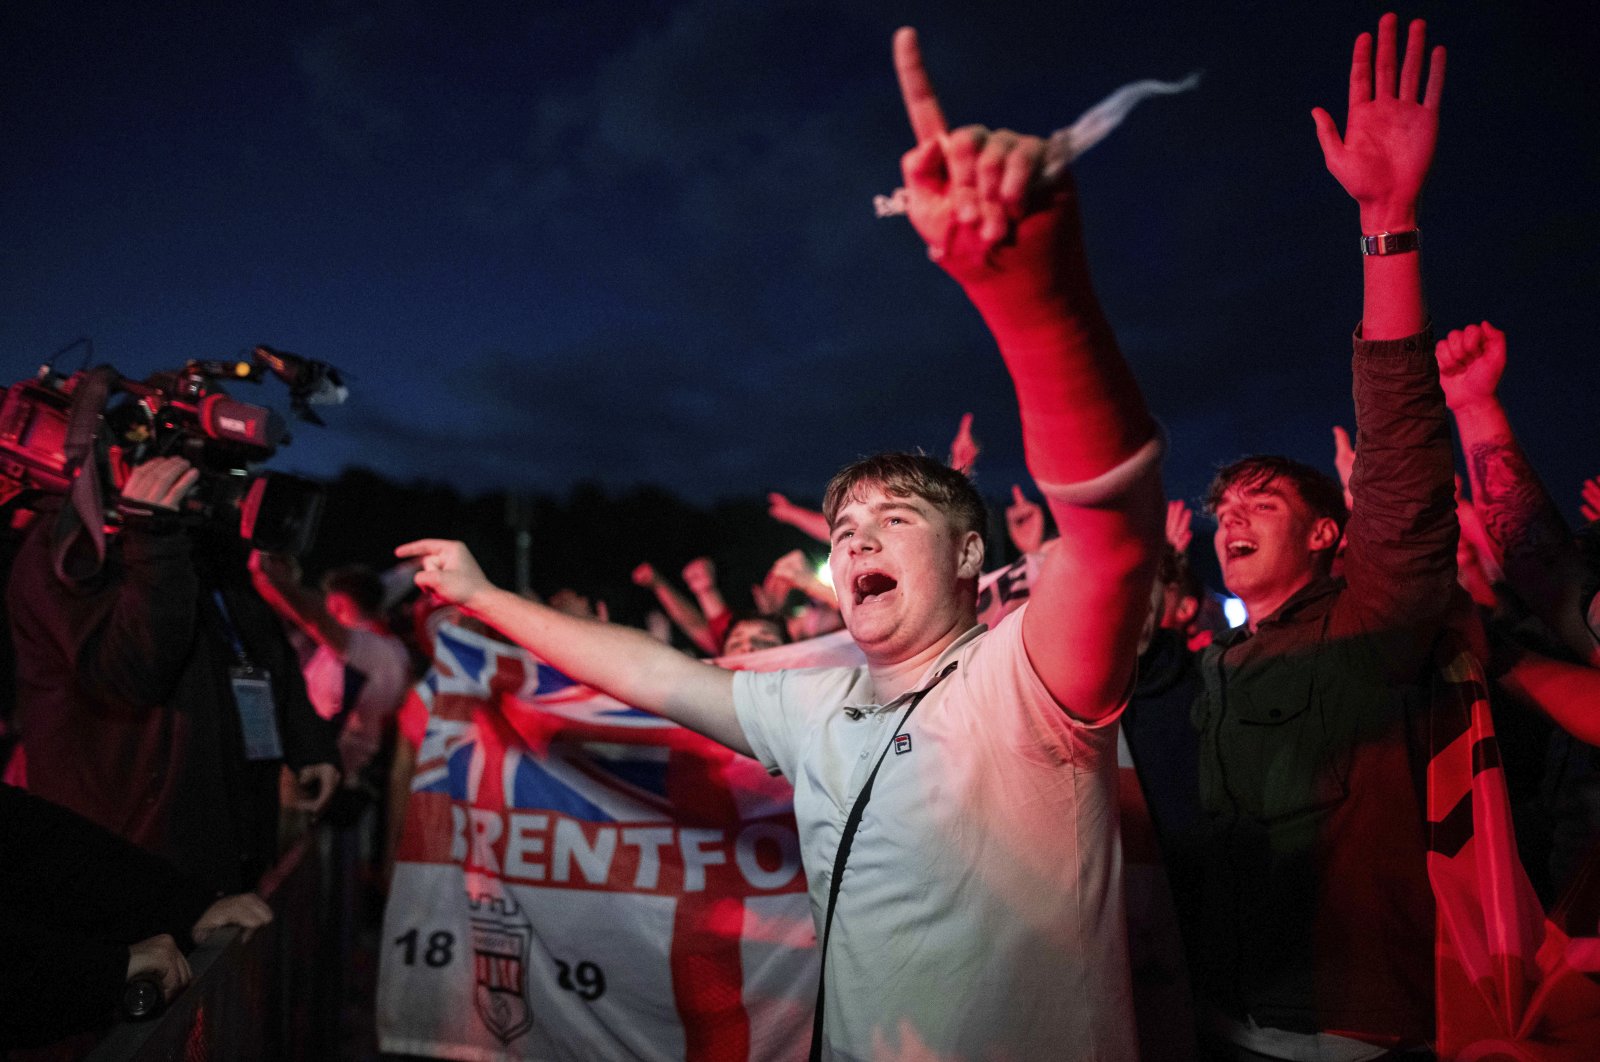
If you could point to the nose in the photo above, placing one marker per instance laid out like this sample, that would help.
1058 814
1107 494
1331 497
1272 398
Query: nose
863 541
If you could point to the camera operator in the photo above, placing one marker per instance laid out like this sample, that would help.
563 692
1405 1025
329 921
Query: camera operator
157 696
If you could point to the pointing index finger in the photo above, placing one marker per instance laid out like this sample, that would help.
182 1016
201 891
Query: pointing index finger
420 547
922 106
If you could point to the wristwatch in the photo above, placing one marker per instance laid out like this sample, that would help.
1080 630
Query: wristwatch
1392 242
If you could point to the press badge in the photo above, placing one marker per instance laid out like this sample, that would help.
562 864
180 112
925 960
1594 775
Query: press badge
258 719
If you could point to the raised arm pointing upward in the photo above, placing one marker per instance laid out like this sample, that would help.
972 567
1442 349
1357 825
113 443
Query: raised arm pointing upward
1382 161
1009 744
1011 236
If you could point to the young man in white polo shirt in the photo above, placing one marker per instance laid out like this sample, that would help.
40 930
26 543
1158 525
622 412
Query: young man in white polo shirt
980 914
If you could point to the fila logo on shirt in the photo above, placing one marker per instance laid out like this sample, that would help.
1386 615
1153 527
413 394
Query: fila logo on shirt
902 744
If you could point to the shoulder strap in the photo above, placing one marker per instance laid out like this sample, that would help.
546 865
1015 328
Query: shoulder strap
85 510
843 856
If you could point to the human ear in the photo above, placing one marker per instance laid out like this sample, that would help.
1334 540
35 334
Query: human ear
1324 534
969 563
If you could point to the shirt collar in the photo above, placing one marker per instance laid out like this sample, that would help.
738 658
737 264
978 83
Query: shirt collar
1315 590
936 673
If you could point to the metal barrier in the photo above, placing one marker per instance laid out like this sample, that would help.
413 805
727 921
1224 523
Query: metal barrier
274 996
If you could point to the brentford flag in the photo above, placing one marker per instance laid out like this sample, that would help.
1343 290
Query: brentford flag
579 879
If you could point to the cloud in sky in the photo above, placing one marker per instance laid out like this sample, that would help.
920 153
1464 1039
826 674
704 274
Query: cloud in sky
348 111
551 239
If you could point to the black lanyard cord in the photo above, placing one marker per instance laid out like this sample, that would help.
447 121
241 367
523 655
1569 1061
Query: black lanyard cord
843 856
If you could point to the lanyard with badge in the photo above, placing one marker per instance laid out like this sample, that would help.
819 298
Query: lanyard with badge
252 695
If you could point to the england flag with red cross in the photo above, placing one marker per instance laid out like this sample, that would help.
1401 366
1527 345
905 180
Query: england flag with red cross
578 879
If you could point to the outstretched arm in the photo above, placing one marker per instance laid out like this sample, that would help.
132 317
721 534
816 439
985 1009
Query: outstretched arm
626 663
685 615
1590 506
1401 539
792 570
1527 537
964 448
276 578
1180 526
1566 694
1344 462
1010 235
700 576
799 517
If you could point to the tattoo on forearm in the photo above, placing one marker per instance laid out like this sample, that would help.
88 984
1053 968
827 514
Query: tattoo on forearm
1517 511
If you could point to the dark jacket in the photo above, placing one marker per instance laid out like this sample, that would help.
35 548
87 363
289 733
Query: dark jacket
1318 912
125 699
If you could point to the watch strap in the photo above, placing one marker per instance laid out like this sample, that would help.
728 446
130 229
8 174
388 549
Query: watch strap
1391 242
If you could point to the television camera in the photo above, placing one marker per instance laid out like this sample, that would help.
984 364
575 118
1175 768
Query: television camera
60 434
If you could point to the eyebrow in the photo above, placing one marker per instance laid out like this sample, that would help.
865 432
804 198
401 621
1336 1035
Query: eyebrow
1241 497
891 504
888 505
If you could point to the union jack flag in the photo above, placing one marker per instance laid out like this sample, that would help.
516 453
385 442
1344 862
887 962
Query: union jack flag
549 810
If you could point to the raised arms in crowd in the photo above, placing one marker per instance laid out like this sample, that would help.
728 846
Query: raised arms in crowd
793 571
678 608
964 450
1530 542
276 578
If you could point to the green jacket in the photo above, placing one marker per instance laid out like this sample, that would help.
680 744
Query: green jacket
1318 915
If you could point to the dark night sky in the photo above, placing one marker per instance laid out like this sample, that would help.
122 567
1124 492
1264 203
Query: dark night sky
633 241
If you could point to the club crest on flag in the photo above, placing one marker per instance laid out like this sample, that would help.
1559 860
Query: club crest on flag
500 937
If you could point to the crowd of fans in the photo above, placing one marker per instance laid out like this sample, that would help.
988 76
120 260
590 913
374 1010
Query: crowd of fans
1280 758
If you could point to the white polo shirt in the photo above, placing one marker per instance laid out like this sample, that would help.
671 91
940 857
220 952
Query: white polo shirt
981 912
